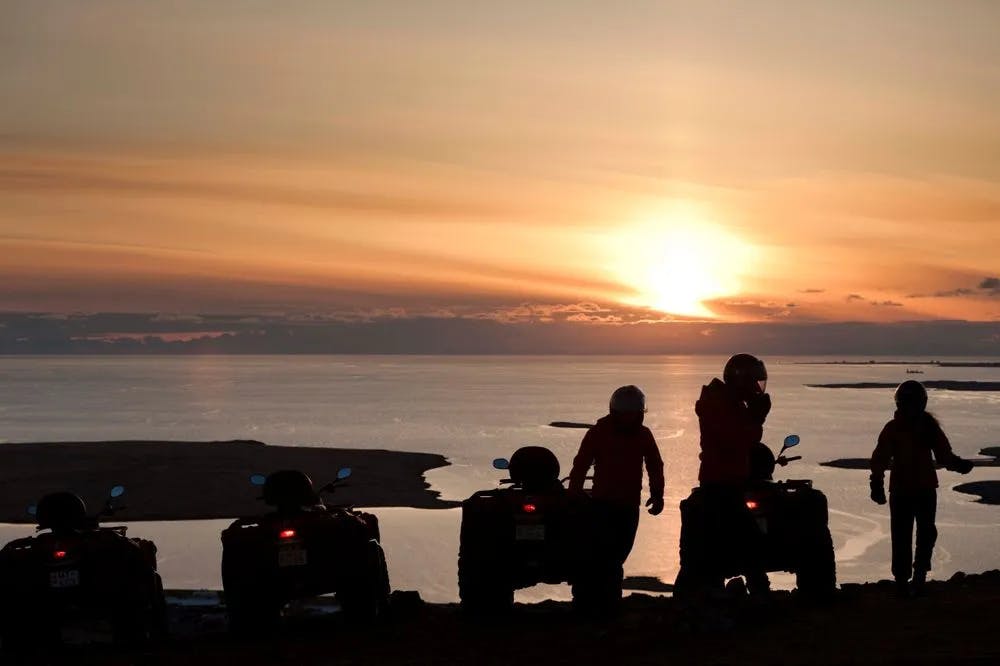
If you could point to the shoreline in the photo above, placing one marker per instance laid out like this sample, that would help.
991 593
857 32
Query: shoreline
176 480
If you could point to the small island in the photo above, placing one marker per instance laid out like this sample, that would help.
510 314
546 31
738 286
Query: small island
203 480
991 452
937 364
940 385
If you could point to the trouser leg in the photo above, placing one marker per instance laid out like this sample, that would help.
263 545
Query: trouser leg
925 510
622 523
629 522
901 516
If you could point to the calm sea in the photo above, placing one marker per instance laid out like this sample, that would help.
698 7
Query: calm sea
475 409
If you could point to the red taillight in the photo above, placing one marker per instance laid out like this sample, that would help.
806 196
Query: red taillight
529 508
752 504
287 534
59 554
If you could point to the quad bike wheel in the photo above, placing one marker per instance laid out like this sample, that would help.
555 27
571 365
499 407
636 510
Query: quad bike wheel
483 587
26 629
816 577
142 618
365 598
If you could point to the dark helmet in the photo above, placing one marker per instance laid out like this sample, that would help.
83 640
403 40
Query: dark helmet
745 373
911 397
289 487
628 399
533 467
63 510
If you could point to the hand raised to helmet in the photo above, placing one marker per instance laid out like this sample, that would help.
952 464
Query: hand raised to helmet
759 406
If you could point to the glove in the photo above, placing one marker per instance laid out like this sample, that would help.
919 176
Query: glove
960 465
878 492
760 407
655 506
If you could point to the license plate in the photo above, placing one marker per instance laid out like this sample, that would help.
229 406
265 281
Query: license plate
529 533
62 579
292 557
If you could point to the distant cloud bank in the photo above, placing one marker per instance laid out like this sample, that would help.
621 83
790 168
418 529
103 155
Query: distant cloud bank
544 330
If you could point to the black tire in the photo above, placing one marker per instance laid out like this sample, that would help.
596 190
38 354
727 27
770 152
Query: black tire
693 549
26 630
598 592
140 619
161 622
482 587
481 595
816 577
597 581
366 596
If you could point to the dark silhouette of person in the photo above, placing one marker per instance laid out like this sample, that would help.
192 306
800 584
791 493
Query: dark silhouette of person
762 464
731 414
908 446
618 446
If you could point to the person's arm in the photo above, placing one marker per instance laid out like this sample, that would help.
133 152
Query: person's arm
581 463
881 459
945 456
882 455
654 468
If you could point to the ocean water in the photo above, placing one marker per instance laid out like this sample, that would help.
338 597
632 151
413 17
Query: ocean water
475 409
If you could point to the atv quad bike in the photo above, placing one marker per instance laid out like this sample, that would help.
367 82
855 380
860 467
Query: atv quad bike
77 570
528 531
304 548
790 521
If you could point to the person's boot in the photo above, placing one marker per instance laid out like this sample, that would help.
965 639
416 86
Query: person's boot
902 588
918 585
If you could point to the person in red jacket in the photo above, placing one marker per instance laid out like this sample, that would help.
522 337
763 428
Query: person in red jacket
618 446
909 446
731 415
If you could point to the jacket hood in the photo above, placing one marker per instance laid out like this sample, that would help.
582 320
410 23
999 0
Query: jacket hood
716 391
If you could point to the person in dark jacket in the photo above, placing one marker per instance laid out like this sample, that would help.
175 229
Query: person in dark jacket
731 415
911 445
618 446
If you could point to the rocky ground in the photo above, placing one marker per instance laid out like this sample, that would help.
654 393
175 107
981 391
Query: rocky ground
955 623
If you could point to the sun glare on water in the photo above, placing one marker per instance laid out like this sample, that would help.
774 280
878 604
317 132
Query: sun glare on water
679 263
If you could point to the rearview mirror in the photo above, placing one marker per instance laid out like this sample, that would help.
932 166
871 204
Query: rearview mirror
33 510
257 479
791 440
344 473
501 463
117 491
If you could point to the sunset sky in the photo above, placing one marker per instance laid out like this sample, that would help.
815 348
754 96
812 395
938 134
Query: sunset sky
783 161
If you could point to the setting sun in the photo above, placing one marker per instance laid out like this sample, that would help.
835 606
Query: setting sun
680 261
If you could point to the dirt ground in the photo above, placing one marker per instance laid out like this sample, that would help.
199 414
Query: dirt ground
955 623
